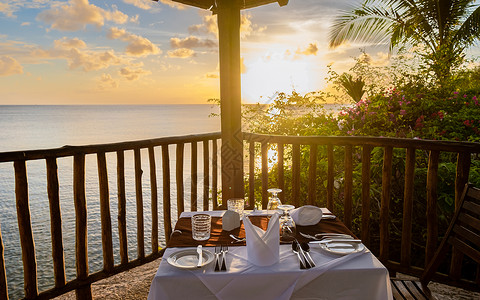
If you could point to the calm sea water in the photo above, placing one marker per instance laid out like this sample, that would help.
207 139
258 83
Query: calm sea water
40 127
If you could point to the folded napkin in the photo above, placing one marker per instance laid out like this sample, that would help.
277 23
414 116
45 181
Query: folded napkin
306 215
263 247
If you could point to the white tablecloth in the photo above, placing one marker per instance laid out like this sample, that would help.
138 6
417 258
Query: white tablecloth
355 276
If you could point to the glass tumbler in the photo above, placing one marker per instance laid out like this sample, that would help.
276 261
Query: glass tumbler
236 205
201 226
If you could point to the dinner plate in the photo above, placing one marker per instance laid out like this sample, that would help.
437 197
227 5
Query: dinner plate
188 258
342 248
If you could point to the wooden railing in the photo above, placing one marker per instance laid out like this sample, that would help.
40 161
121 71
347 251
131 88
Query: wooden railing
84 279
293 157
259 145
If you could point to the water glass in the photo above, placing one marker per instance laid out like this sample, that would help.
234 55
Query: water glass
201 226
236 205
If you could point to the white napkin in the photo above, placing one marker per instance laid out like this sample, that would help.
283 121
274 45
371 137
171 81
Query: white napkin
306 215
263 247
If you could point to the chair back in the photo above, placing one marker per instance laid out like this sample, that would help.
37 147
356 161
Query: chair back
463 233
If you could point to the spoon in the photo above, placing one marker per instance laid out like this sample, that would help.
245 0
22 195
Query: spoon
306 250
295 250
237 239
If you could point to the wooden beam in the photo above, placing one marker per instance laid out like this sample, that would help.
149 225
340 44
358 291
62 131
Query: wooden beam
230 97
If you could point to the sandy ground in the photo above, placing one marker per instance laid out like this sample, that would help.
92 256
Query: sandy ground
135 283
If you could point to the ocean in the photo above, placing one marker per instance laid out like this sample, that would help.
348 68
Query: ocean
44 127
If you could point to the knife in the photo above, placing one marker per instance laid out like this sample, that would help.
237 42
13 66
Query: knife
326 241
200 256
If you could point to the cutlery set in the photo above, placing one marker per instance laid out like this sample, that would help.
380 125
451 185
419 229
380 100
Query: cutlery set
220 264
302 251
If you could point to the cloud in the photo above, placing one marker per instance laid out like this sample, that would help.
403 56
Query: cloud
247 28
311 49
192 42
143 4
6 9
106 82
137 45
133 74
212 75
77 56
9 66
209 25
181 53
77 14
174 4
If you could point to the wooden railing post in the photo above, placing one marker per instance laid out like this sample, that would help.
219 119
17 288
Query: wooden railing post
106 220
206 176
408 207
3 273
281 172
251 176
312 175
330 177
348 189
432 221
80 202
167 214
179 179
122 208
139 203
25 230
154 198
264 150
366 165
194 162
215 177
55 222
296 174
385 203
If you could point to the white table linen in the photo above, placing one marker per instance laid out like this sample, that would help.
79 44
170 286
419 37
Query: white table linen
354 276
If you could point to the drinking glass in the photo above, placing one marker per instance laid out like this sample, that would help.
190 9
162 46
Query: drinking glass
274 201
287 225
236 205
201 226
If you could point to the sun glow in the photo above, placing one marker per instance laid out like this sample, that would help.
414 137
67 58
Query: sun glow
268 75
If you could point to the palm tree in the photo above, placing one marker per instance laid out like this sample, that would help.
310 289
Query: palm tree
353 87
445 28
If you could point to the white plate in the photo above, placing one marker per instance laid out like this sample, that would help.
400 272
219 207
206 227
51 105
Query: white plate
188 258
342 248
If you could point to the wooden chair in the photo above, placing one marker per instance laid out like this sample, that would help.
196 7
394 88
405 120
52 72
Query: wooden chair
463 233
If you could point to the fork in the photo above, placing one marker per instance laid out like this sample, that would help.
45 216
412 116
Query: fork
224 250
217 253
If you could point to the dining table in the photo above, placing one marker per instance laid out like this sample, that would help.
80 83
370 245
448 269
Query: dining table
355 275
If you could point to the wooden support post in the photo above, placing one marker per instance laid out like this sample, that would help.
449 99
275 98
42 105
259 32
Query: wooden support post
432 220
366 167
25 230
230 98
385 203
106 220
3 272
154 198
122 208
55 222
81 248
408 207
139 203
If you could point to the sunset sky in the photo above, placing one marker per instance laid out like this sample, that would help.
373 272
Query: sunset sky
144 52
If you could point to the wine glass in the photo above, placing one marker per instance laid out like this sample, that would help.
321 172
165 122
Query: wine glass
274 201
287 225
